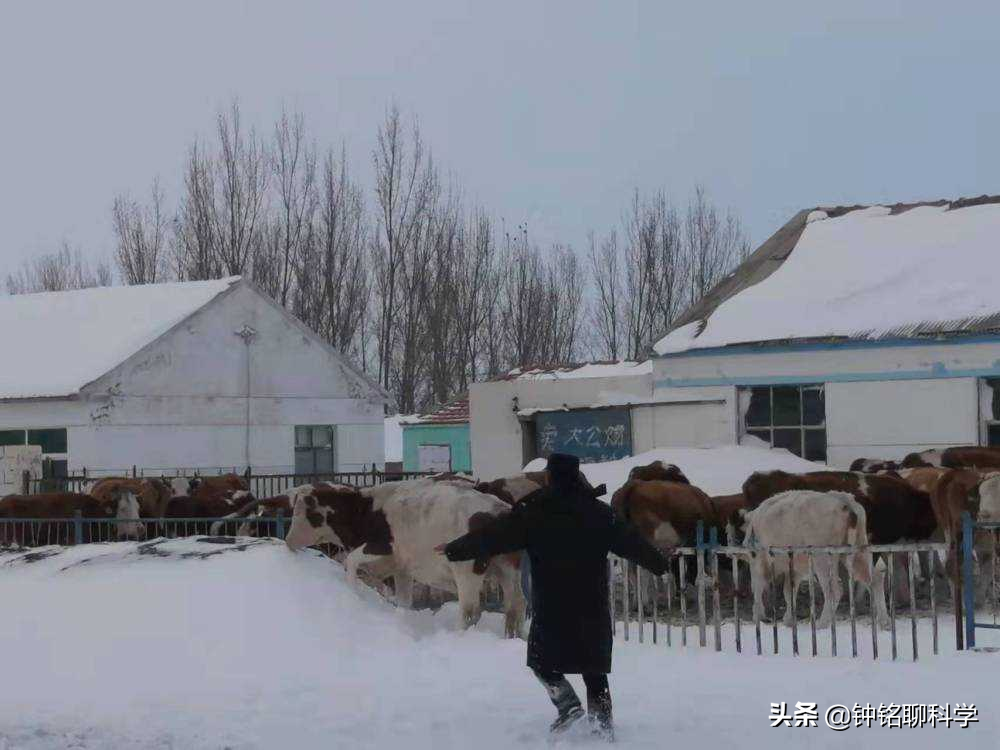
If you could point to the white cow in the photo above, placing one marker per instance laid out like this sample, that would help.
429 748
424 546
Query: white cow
804 518
392 530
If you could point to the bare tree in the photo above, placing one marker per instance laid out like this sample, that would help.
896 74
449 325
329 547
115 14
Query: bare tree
608 305
405 187
62 270
332 286
294 166
141 234
195 244
241 178
714 243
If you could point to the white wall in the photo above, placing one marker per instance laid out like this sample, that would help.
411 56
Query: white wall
881 401
888 419
182 401
684 424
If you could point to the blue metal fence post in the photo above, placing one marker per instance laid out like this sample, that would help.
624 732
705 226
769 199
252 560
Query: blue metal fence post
279 523
968 590
78 527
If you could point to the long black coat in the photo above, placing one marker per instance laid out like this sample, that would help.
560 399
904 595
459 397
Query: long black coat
567 533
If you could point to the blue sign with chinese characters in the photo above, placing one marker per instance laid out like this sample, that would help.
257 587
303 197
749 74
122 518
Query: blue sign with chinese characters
591 434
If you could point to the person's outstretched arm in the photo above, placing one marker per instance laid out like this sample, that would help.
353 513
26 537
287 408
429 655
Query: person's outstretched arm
505 534
627 542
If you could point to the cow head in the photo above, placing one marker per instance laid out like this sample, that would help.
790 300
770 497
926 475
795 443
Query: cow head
329 513
184 486
123 504
918 460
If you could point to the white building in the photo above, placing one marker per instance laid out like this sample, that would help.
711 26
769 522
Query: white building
852 332
200 375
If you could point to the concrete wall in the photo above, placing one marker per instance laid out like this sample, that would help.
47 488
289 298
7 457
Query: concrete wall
496 432
456 436
183 402
881 401
888 419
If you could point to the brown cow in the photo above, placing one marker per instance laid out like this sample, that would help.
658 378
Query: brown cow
924 478
658 470
207 505
119 503
216 486
154 494
665 513
895 510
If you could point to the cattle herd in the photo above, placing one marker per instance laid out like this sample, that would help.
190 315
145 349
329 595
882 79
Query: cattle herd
390 531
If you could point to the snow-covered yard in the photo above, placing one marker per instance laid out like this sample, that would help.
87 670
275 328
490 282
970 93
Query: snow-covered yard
189 644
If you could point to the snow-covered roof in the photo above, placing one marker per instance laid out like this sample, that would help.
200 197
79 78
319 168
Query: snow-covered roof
901 271
585 370
57 342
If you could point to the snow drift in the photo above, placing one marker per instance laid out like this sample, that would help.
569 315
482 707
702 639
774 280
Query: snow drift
197 645
717 471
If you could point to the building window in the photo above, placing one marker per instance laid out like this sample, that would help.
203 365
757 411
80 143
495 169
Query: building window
990 408
52 441
314 449
12 437
786 416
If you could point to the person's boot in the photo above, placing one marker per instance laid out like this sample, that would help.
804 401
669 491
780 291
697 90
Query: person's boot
566 719
565 700
599 712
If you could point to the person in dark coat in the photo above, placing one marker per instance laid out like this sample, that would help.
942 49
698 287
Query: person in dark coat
567 533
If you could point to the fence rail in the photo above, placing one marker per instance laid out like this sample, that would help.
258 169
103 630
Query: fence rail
260 485
704 599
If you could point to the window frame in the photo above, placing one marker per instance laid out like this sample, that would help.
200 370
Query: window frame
312 449
986 422
771 427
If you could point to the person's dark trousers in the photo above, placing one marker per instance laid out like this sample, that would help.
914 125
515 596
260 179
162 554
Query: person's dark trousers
565 699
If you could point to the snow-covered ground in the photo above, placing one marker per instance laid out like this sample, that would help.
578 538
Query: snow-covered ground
718 471
187 644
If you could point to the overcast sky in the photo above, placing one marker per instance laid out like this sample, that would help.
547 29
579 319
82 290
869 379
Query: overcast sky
549 112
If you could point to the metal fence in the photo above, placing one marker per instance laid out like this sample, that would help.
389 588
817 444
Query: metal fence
37 532
704 599
260 485
979 582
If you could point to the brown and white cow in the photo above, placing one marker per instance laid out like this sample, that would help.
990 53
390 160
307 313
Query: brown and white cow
873 465
812 519
208 504
956 457
263 509
119 503
515 488
977 493
895 510
392 530
154 494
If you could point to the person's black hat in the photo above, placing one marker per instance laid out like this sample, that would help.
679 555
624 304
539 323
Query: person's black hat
563 468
